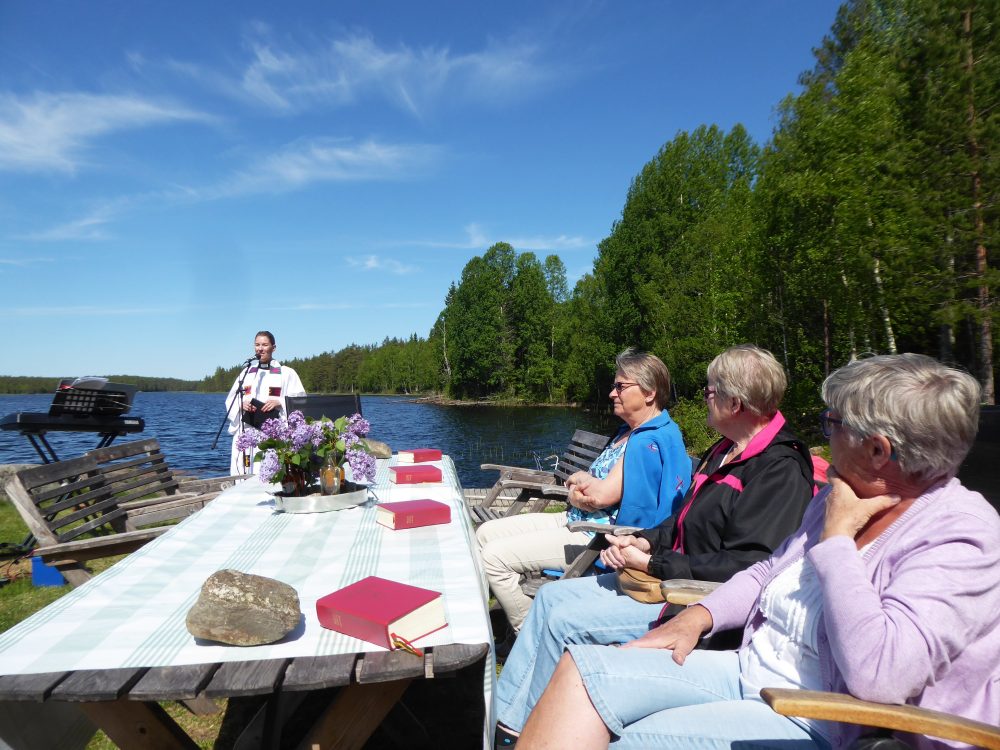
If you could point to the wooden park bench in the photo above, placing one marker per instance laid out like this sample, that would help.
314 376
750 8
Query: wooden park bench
536 489
103 503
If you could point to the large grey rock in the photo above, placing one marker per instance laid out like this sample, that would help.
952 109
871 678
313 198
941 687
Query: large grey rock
243 609
379 449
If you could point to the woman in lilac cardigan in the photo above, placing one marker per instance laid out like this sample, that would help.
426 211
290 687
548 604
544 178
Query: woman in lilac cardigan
889 591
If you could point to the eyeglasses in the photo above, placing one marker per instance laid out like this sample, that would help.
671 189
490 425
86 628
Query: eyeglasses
619 387
709 391
826 423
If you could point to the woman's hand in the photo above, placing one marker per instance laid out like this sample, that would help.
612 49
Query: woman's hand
247 405
626 552
272 404
680 633
846 513
577 477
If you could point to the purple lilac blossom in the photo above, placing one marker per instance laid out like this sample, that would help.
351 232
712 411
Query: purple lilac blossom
301 435
249 439
296 419
358 425
275 429
269 466
362 465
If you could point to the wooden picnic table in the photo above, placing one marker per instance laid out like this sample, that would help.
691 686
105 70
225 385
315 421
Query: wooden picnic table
118 644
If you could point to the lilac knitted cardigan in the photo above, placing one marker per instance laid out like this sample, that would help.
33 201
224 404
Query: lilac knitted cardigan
916 619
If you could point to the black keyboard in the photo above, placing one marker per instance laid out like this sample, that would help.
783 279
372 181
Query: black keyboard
34 423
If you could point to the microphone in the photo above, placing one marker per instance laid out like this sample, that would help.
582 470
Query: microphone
250 359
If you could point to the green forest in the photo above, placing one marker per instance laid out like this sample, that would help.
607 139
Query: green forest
864 225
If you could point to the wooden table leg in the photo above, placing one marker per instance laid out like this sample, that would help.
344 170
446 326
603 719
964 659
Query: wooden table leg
137 725
354 715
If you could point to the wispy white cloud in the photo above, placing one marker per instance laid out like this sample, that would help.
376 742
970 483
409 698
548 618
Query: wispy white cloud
289 76
89 227
47 132
375 263
24 262
327 160
478 238
88 311
292 167
320 306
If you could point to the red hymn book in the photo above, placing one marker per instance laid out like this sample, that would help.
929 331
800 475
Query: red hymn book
419 455
410 514
381 611
415 474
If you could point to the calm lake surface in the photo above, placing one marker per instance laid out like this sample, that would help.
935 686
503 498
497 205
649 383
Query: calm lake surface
186 423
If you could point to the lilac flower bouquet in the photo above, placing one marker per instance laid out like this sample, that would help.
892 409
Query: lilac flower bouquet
293 450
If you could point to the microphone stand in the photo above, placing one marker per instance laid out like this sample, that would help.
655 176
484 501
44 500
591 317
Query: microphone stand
238 399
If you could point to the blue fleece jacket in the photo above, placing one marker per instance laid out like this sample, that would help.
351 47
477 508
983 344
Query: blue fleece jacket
656 473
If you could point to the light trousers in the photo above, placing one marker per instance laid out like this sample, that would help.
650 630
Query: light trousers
646 700
527 543
580 610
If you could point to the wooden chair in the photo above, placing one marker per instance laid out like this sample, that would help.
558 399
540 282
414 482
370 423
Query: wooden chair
100 504
536 489
810 704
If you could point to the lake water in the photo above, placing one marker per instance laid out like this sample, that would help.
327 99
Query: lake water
186 423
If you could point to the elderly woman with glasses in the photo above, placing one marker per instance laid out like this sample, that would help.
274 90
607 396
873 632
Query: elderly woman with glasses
749 493
642 473
889 591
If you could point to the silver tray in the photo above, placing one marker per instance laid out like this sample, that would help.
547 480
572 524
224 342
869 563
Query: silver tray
319 503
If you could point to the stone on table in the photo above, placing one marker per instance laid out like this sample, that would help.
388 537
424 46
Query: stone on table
378 448
242 609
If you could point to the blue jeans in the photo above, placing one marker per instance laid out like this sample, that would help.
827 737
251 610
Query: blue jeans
580 610
646 700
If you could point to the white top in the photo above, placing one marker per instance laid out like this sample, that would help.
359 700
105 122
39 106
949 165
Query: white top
783 653
260 383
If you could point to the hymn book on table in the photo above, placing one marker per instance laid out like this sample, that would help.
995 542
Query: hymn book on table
419 455
386 613
409 514
415 474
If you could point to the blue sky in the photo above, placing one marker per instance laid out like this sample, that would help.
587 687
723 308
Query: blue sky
175 176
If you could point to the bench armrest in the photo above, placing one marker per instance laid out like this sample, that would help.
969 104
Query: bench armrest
603 528
686 591
811 704
521 472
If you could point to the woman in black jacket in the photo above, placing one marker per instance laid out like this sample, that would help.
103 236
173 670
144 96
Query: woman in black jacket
749 493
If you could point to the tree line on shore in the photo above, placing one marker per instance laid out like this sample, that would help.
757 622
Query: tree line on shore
862 226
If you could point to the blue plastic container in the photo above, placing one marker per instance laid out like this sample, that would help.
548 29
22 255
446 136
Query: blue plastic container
44 575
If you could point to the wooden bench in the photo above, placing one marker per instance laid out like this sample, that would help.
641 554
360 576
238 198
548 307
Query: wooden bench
147 488
102 503
536 489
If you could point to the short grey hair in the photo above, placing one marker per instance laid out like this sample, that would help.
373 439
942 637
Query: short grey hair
648 371
752 375
928 411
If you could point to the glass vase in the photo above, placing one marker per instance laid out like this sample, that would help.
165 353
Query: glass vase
330 477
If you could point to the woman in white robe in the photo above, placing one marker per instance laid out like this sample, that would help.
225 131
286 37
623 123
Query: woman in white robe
269 383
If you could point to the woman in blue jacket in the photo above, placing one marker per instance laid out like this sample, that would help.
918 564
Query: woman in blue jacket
642 473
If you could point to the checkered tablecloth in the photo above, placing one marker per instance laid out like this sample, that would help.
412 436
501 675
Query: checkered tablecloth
132 615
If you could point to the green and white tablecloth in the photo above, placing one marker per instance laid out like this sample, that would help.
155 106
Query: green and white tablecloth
133 614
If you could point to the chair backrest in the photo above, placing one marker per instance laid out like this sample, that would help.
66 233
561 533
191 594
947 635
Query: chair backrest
135 470
331 407
583 448
980 471
63 500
